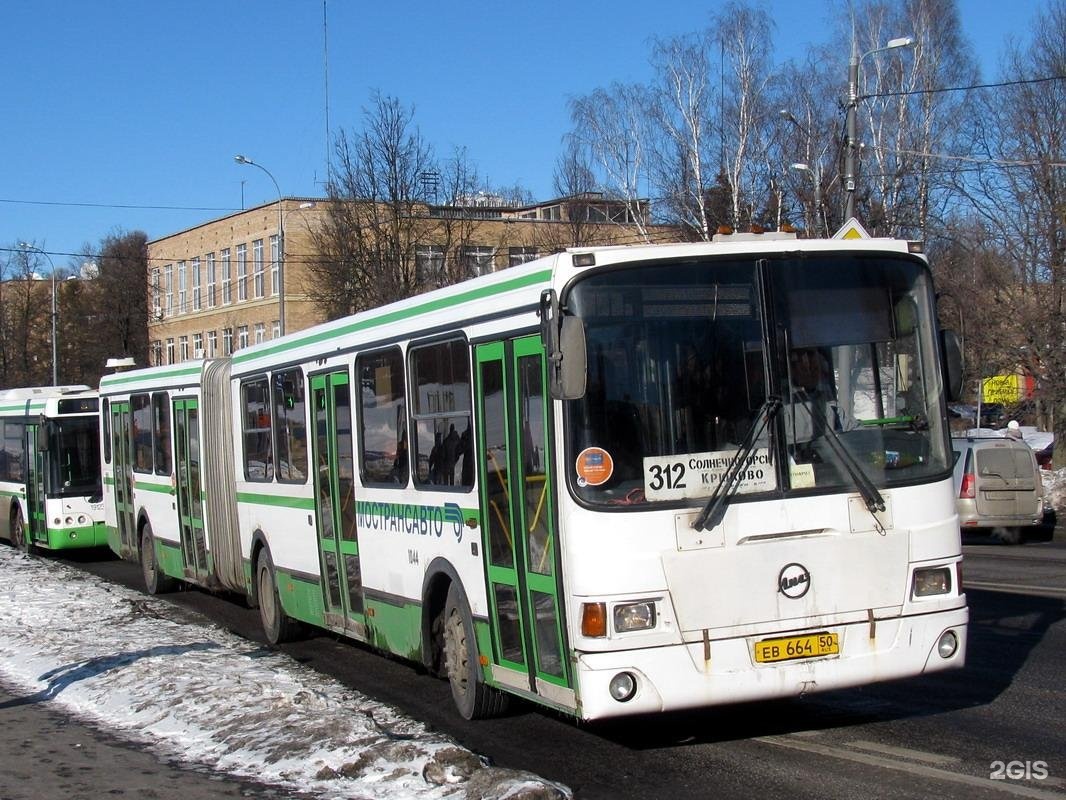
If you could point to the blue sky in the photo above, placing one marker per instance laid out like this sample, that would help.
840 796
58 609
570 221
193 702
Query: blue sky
124 114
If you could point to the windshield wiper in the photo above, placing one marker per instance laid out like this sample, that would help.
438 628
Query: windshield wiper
714 511
873 499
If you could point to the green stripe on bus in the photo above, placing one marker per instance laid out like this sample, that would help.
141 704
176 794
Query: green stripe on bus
401 314
162 488
116 380
34 405
302 503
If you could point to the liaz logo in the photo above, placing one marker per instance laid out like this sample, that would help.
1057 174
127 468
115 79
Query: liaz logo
793 581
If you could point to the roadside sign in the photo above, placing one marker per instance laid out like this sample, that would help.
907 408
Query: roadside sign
852 229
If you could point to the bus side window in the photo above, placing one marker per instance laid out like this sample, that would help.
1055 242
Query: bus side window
141 413
105 419
383 458
442 439
255 422
290 426
161 432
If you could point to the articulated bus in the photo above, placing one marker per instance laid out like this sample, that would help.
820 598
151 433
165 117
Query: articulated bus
611 481
50 493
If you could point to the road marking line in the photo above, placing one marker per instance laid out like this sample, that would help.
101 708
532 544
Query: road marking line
903 752
916 769
1016 588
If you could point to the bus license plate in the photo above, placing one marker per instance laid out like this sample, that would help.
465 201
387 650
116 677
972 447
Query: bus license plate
809 646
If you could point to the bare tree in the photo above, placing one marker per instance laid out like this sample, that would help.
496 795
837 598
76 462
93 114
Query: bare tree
373 223
613 124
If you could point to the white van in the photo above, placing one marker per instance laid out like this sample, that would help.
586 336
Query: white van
997 486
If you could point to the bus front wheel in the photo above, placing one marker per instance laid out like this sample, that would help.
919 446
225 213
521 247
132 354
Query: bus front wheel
155 580
472 697
277 625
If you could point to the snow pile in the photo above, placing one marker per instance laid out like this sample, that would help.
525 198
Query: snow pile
139 667
1055 490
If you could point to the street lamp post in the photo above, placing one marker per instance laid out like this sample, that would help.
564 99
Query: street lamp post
281 242
55 349
815 169
851 144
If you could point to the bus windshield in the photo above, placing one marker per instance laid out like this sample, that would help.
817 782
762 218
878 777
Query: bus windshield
682 356
74 455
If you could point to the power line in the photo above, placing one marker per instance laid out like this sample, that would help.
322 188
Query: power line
114 205
1001 85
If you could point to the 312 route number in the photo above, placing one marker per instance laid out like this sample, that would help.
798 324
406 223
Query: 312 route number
667 476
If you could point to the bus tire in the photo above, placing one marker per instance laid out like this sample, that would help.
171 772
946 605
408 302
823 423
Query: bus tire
155 580
277 625
472 697
20 535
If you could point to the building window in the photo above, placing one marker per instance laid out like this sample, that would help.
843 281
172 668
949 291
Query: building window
550 212
227 341
520 255
157 299
197 345
443 449
260 332
476 260
290 426
429 265
274 262
170 351
242 337
181 288
255 400
242 272
383 445
168 289
194 265
157 353
211 279
227 279
183 347
212 344
275 329
257 268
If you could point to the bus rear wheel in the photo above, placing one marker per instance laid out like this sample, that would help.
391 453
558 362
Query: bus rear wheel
155 580
472 697
277 625
20 535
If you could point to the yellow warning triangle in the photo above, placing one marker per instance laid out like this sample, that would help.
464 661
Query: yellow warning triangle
852 229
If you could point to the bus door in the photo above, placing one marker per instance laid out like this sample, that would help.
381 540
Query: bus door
187 466
122 459
334 473
518 520
36 520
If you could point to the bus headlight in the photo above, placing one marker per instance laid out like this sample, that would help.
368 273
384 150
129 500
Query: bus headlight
634 616
930 581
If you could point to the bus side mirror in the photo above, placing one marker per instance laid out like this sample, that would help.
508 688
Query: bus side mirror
951 352
44 433
564 341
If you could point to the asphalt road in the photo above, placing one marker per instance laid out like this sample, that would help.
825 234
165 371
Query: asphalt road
995 729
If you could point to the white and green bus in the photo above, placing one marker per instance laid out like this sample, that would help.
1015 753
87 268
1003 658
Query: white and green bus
50 493
611 481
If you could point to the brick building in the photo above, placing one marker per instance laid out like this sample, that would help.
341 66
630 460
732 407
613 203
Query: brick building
217 287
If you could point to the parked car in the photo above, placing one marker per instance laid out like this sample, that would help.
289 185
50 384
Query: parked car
997 486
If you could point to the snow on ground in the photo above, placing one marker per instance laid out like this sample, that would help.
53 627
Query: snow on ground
146 670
